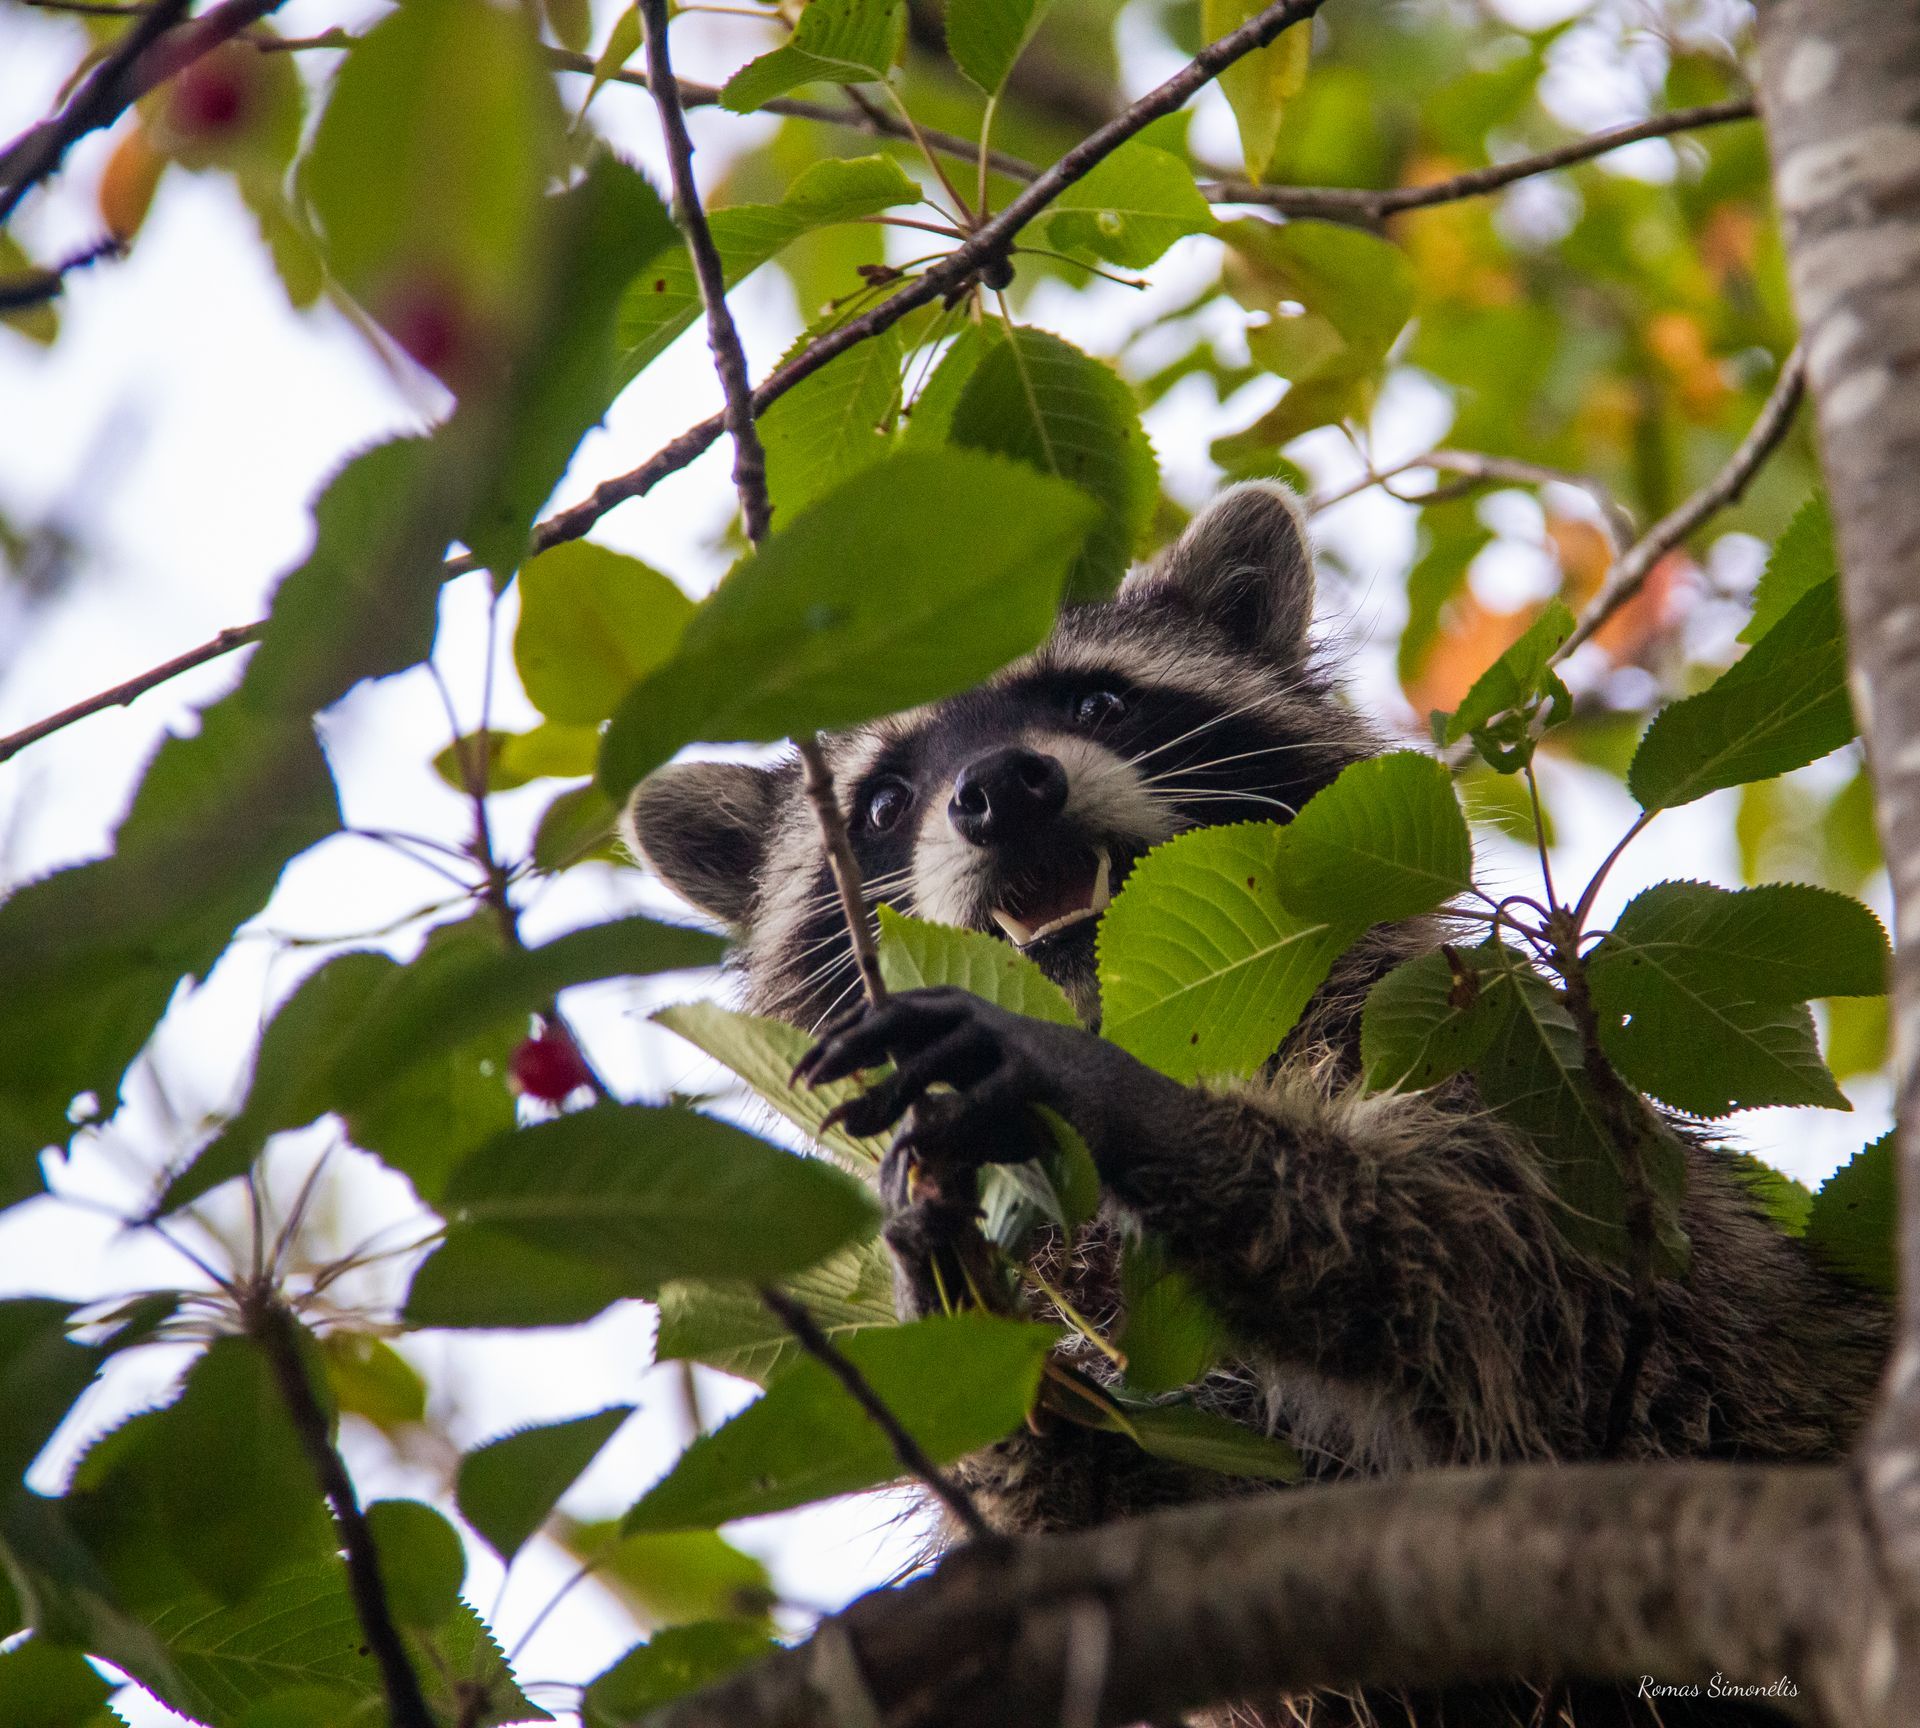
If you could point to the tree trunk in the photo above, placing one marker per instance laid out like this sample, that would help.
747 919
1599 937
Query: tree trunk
1840 94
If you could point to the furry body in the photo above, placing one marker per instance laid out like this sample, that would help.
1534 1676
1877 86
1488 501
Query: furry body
1390 1266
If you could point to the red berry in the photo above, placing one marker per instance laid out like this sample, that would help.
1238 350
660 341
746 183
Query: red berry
548 1067
210 96
427 320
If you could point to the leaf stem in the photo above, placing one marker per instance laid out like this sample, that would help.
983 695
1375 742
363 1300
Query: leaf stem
278 1336
729 358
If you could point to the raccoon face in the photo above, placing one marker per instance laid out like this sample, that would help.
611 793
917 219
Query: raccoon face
1020 807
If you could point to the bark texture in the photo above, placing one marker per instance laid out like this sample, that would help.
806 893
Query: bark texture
1605 1571
1840 93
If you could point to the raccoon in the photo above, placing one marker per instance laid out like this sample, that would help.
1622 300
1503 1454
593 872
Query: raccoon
1388 1265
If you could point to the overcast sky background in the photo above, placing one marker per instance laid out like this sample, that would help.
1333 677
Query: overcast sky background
178 432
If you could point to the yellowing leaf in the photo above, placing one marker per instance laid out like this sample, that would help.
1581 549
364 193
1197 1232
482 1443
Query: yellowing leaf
1259 85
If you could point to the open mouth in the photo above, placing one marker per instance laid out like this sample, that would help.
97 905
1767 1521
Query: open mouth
1031 911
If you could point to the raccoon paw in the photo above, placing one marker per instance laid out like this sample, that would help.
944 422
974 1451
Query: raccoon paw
996 1062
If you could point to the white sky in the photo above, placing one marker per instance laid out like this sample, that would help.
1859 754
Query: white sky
184 422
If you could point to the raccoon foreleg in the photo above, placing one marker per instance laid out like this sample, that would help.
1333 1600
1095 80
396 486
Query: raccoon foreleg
1382 1243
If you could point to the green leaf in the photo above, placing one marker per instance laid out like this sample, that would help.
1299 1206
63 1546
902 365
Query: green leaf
579 827
222 1465
592 622
94 953
421 1561
1700 991
1502 709
1202 969
916 954
985 37
1854 1218
1424 1021
1361 285
762 1053
1787 1202
957 1382
1451 537
1041 401
355 1035
833 423
1172 1335
1385 841
649 1194
1185 1434
835 41
798 636
509 1487
679 1660
368 1377
47 1687
927 420
66 1597
1534 1074
665 300
1259 85
42 1373
301 1631
596 238
1803 557
488 1280
506 761
39 322
1782 705
730 1328
1781 942
427 167
1129 209
673 1577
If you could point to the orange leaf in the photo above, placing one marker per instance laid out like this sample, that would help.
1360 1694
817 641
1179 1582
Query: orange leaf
127 185
1471 638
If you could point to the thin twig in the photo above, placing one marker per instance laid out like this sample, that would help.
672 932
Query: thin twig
844 866
1630 574
1360 203
239 636
1476 466
35 287
278 1337
138 62
913 1458
729 358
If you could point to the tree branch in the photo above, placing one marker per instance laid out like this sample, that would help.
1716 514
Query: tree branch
406 1703
1476 466
729 358
139 61
913 1458
1600 1572
36 287
1366 205
1630 574
238 636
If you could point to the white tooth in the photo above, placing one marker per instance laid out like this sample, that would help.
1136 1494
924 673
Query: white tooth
1101 892
1017 933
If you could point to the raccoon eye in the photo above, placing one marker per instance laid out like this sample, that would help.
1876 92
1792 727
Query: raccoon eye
885 803
1099 705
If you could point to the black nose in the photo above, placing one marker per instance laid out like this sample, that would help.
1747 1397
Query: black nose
1006 793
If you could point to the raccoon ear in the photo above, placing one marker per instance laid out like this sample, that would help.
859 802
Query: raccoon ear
1243 564
702 827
